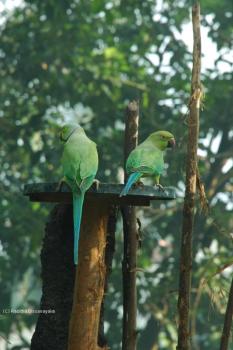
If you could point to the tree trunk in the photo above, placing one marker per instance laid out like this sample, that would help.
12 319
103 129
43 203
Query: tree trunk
57 275
109 252
189 201
90 278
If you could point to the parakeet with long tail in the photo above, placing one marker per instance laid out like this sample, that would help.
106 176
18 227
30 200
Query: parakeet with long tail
80 165
147 159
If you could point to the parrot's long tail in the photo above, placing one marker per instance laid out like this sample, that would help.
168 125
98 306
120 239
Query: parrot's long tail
131 180
78 199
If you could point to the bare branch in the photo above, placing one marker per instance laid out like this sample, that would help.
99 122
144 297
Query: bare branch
191 179
129 263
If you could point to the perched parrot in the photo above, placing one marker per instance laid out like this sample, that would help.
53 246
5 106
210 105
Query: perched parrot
80 165
147 159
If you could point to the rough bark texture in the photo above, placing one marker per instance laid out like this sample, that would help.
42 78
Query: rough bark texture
228 321
189 201
90 279
129 263
109 252
57 274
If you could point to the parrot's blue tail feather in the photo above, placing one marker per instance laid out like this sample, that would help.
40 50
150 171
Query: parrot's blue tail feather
78 199
131 180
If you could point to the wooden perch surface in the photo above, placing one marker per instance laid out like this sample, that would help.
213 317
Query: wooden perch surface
141 196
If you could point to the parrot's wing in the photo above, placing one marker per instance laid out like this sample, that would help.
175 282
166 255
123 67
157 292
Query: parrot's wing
80 162
86 183
88 165
69 169
147 160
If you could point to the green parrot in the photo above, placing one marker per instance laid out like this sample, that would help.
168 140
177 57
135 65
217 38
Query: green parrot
147 159
80 165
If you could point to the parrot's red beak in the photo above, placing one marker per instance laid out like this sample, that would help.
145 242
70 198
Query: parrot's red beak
171 143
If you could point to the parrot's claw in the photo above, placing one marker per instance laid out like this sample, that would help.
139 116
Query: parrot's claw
96 184
160 187
59 186
138 184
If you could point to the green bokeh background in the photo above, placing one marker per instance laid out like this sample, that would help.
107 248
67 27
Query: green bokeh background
83 61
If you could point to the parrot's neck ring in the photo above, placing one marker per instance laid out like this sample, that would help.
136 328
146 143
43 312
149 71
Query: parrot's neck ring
71 133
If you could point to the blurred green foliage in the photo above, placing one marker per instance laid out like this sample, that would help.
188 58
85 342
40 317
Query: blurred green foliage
83 61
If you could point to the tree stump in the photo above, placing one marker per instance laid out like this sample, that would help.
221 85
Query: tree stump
90 279
58 272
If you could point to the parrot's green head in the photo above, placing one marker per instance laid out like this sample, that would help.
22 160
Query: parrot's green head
67 130
162 139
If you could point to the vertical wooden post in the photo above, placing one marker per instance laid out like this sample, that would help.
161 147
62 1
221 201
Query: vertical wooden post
90 279
109 252
129 263
189 201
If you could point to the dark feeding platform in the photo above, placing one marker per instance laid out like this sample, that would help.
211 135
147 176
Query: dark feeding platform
76 294
138 196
